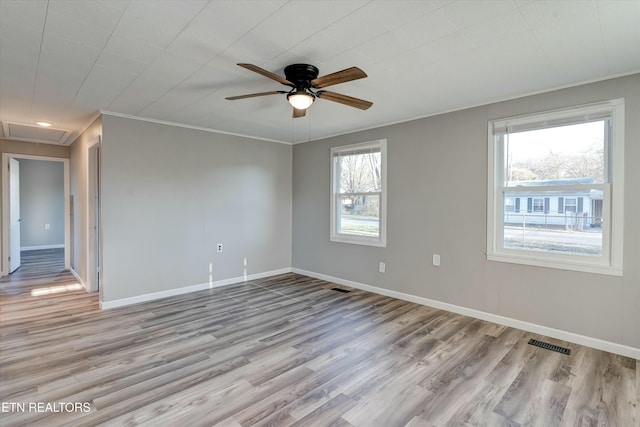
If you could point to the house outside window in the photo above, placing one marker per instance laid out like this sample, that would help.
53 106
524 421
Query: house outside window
566 168
570 204
358 194
538 205
509 204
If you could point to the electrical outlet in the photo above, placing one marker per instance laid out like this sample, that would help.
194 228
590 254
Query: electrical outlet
46 226
382 267
436 260
219 247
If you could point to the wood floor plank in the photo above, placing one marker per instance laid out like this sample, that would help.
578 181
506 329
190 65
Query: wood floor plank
533 376
287 350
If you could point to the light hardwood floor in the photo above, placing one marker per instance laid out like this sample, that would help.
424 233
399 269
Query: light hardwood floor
288 350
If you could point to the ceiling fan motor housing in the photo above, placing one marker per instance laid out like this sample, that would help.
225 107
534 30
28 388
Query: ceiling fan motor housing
301 74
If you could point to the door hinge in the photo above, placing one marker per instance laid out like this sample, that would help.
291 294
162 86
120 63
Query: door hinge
9 259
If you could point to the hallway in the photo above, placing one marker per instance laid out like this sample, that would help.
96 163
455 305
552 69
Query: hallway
27 293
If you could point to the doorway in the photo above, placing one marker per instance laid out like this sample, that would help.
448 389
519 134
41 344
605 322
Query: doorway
13 242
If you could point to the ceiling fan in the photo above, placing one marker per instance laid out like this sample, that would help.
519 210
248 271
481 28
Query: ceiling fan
306 86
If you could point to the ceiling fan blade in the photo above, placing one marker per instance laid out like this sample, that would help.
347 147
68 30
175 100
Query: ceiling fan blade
298 113
344 99
253 95
353 73
266 73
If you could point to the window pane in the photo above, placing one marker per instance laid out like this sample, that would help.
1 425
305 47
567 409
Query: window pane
563 155
509 204
572 232
359 215
552 198
360 173
538 205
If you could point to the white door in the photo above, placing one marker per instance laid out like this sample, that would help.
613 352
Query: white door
14 214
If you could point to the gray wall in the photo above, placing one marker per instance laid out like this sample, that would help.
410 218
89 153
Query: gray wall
437 174
170 194
41 202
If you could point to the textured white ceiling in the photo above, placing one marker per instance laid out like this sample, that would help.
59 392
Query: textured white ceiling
174 60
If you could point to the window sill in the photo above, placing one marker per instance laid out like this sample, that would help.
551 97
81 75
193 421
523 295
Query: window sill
560 265
356 240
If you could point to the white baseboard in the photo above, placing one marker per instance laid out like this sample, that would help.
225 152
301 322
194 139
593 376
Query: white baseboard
37 248
502 320
187 289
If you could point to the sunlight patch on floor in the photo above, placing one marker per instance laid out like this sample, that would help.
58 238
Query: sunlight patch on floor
56 289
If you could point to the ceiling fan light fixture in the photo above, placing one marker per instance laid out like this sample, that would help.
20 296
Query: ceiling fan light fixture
300 99
305 86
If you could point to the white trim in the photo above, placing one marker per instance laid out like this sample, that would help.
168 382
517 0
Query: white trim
490 317
616 148
4 262
89 123
93 169
181 125
334 236
357 240
64 139
611 260
561 264
37 248
188 289
469 106
556 117
77 276
376 126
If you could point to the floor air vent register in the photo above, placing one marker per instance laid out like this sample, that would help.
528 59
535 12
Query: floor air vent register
344 291
551 347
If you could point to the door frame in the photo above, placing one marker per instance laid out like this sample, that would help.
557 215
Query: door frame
94 216
4 265
15 224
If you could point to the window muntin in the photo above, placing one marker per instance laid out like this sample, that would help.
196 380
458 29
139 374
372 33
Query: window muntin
558 167
570 204
538 205
358 193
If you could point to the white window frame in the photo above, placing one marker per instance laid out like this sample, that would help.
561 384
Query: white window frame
335 236
540 205
610 262
574 204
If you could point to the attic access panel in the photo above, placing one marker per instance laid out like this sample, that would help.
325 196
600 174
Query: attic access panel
33 133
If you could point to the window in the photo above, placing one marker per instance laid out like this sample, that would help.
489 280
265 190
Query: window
570 204
538 205
358 195
555 189
509 204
